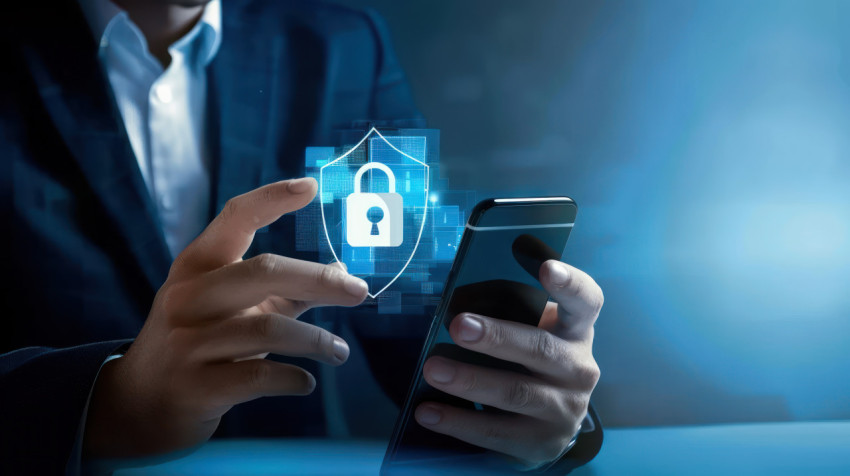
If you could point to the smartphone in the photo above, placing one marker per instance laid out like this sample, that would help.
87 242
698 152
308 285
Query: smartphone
495 274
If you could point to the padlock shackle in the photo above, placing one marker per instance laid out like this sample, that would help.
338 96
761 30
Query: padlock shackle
374 165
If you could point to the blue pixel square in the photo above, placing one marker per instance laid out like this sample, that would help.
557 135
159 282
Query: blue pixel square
445 243
318 156
358 260
447 216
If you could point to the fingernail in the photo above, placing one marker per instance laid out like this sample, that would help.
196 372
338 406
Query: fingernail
341 349
428 415
301 185
559 275
311 383
441 372
471 329
356 286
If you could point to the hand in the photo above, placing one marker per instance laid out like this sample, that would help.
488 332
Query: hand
201 350
547 407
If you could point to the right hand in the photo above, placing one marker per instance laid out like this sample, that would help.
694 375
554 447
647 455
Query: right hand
202 348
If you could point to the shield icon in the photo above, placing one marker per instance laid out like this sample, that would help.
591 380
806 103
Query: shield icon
374 204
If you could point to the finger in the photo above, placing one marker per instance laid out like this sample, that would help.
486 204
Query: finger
578 296
535 348
514 435
230 234
241 285
291 308
238 382
508 391
247 336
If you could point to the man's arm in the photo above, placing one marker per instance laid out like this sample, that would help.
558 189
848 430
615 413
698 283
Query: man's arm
202 348
43 393
199 353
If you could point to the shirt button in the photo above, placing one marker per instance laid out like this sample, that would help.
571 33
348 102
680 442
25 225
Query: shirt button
163 93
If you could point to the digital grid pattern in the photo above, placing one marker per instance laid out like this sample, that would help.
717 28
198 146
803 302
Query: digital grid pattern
437 220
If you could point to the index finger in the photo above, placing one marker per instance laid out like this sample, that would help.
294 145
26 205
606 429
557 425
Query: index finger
230 234
578 296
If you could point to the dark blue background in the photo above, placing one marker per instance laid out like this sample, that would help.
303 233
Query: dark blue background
706 144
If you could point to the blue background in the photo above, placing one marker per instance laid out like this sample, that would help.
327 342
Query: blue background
707 146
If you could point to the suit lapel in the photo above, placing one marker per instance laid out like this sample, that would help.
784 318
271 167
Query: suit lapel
242 84
78 99
265 100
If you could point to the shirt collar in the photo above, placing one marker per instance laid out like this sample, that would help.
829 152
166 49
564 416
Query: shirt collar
101 13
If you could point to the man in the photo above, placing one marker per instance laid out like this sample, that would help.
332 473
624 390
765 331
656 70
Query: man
125 126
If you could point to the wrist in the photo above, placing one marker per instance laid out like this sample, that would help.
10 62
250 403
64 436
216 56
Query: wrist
542 467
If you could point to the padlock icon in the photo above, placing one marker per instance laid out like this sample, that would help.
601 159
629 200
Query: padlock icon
374 219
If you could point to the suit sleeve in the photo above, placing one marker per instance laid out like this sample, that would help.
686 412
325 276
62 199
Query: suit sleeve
43 395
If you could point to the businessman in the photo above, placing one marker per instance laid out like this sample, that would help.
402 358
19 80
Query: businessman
135 321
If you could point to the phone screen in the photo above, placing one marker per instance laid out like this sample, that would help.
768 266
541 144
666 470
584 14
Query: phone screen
494 274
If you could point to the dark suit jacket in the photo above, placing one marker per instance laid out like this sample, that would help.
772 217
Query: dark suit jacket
86 250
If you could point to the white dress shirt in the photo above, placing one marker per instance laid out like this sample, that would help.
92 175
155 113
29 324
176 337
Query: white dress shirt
164 112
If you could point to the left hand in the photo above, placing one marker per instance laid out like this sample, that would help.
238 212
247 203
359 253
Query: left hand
546 407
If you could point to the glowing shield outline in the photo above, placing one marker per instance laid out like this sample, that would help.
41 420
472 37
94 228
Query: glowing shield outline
424 215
